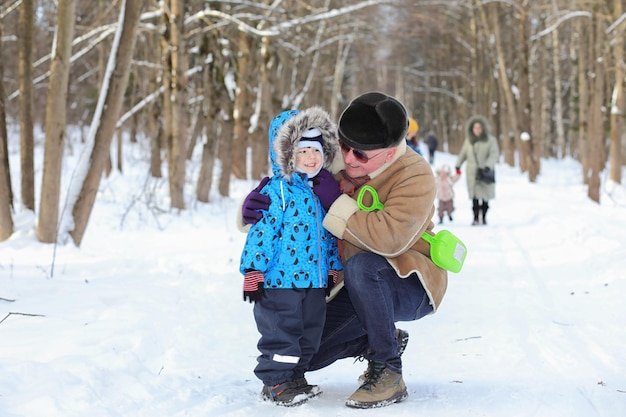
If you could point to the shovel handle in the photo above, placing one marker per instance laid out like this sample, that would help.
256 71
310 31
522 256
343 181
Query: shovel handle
428 237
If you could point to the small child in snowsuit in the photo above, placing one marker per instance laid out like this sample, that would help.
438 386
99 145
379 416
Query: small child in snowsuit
289 260
445 181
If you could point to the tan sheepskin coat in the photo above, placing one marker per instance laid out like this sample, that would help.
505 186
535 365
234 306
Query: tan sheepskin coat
406 187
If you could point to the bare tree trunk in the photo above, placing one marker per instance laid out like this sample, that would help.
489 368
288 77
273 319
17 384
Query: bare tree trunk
208 118
205 178
155 131
584 59
572 103
617 101
113 90
526 124
173 106
25 71
473 63
482 67
156 140
537 86
226 149
6 193
120 145
4 137
6 220
507 94
196 129
263 108
558 100
241 112
596 128
55 124
343 48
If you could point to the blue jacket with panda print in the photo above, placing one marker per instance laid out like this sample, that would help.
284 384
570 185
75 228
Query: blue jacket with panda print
289 245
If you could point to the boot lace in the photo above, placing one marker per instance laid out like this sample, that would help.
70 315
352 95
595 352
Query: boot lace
373 374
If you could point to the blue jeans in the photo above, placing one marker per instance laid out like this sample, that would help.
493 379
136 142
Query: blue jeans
360 320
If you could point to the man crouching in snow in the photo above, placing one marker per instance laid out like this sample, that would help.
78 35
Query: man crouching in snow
388 273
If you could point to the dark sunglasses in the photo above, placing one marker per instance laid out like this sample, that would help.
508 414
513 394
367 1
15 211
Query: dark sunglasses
359 155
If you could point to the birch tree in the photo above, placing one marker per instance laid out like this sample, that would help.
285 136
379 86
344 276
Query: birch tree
55 123
107 113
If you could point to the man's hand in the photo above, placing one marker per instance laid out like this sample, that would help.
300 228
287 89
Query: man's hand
254 203
326 187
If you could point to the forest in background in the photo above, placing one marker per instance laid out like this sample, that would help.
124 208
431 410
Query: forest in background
188 74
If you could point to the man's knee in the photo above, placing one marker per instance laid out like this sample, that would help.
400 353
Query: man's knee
362 267
355 263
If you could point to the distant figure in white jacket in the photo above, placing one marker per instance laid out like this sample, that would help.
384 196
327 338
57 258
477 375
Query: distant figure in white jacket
445 181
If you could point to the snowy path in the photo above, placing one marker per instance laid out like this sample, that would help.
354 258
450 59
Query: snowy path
149 321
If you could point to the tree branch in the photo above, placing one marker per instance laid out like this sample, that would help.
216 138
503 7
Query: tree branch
20 314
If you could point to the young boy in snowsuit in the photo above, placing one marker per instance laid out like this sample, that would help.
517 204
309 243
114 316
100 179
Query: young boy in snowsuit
445 181
289 259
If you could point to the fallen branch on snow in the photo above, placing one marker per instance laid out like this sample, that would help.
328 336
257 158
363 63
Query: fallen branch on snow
20 314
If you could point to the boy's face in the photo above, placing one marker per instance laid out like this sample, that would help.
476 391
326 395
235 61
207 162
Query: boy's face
309 160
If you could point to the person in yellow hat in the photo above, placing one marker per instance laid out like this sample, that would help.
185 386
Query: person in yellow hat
411 135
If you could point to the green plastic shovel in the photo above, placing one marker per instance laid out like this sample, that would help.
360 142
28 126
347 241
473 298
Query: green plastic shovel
446 250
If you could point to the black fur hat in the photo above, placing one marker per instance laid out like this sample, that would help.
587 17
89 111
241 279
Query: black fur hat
373 120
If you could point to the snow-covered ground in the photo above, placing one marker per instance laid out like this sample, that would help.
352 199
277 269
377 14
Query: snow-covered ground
146 319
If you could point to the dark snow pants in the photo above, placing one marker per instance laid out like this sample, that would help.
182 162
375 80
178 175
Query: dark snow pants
290 322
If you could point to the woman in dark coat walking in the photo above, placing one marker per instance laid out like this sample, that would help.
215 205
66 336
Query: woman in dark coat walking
480 150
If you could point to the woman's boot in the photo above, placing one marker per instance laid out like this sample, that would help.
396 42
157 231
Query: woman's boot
485 207
476 209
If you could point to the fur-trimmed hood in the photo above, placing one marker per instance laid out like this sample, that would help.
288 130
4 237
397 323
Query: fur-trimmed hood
286 130
468 129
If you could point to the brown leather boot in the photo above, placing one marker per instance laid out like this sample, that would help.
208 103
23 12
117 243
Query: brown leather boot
382 388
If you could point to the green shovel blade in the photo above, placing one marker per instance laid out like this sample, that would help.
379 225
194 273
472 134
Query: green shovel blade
446 250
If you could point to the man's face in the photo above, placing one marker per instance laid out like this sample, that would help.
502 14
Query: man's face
360 163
